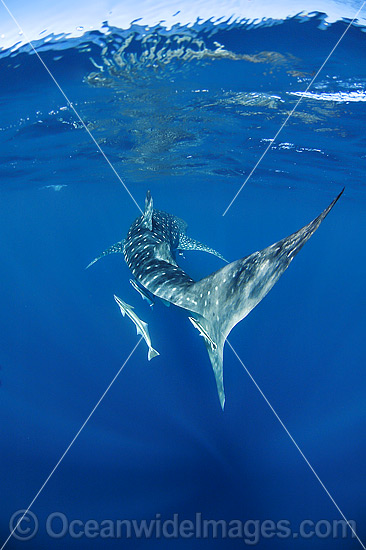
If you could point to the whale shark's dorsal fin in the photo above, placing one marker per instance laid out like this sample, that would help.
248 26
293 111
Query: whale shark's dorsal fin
147 215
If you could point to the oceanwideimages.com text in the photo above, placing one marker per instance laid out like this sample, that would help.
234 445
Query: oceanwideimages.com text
58 526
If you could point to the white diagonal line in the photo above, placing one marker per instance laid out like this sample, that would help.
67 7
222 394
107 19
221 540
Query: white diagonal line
70 445
296 445
291 113
133 350
72 107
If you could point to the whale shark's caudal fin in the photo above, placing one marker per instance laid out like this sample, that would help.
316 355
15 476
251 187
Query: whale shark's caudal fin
224 298
214 342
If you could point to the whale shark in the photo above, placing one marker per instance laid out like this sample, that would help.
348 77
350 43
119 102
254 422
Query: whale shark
219 301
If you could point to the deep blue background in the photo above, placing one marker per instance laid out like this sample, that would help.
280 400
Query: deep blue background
159 442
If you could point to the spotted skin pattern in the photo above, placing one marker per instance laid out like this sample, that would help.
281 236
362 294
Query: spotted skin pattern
217 302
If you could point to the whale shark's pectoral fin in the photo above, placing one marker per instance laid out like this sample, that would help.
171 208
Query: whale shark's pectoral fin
186 243
116 248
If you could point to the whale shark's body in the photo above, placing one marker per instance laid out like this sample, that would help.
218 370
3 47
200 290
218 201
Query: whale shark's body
217 302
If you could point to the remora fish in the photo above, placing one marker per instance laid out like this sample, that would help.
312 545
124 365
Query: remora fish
141 326
203 332
218 301
144 295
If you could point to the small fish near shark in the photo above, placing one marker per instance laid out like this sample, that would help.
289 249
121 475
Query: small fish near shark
143 293
215 303
141 326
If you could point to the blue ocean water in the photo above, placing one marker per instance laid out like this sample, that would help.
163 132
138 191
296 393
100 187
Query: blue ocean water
185 112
